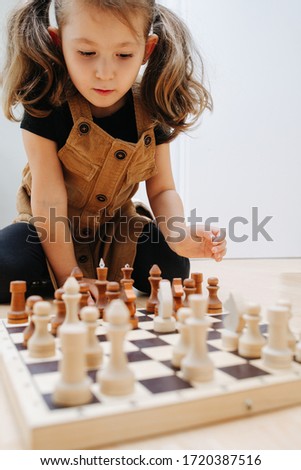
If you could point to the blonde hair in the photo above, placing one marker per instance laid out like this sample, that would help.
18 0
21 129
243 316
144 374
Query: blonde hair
35 70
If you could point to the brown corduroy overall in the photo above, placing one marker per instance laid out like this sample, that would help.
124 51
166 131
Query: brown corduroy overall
101 174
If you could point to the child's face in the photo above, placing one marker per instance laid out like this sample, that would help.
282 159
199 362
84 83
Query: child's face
103 56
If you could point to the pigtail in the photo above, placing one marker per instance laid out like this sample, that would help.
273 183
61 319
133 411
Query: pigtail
34 68
171 92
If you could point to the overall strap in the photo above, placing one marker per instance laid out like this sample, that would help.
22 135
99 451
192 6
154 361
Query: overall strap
143 121
79 107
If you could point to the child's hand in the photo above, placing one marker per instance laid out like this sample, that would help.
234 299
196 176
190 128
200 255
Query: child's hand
201 243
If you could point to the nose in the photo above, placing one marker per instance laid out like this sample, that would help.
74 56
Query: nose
104 69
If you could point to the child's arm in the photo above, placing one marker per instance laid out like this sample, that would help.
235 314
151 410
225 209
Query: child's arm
166 204
49 192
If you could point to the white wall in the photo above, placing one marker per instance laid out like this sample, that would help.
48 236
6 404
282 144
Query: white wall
246 154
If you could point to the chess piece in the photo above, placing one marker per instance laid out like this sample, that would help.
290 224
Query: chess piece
27 333
17 313
71 298
234 321
251 341
178 294
214 303
93 349
298 351
60 311
127 273
165 322
189 289
198 279
129 298
85 295
112 293
102 300
154 280
74 385
290 336
276 353
180 349
197 365
102 271
116 378
41 344
77 273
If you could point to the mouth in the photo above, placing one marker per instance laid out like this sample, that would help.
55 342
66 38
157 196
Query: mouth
102 91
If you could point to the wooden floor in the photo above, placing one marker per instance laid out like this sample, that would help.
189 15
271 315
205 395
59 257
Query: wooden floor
262 281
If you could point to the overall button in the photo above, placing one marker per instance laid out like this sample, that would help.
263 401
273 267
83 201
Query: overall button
147 140
120 154
83 259
101 197
84 128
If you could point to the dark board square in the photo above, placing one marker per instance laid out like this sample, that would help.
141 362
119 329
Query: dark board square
16 329
243 371
149 343
43 367
20 347
52 406
136 356
145 317
165 384
102 338
213 334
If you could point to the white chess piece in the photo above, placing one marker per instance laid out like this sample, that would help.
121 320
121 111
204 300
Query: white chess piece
180 349
116 378
276 353
197 365
290 336
74 386
234 321
42 343
165 322
251 341
71 298
93 348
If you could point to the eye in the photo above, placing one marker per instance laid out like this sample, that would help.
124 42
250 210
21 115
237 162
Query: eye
86 53
124 56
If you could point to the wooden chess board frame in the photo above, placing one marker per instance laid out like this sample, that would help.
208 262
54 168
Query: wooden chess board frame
143 414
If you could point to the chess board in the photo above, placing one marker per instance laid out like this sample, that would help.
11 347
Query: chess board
163 401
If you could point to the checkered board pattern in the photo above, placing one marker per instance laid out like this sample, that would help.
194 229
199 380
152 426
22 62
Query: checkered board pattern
163 401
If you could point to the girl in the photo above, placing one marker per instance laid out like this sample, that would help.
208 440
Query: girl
92 131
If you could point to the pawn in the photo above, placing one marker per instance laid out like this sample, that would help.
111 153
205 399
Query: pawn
74 385
102 299
17 313
197 365
93 350
129 298
71 297
189 289
180 349
116 378
214 303
77 273
290 336
251 341
165 321
112 293
42 343
276 353
85 295
178 294
60 311
28 332
198 279
298 351
154 280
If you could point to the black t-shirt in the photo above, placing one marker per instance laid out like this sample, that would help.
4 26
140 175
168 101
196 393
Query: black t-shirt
57 126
